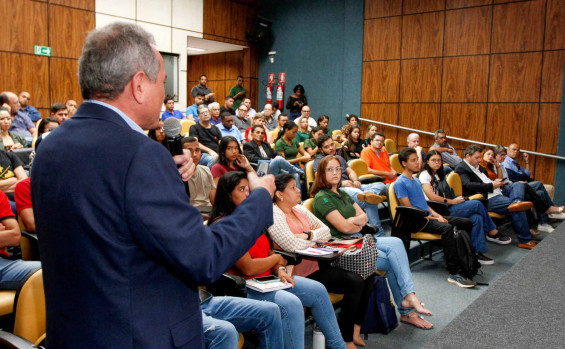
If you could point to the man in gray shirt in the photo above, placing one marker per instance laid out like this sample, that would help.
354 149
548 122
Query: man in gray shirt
202 88
241 121
448 153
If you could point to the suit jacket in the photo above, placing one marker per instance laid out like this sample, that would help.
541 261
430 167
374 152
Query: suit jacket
471 183
252 153
122 249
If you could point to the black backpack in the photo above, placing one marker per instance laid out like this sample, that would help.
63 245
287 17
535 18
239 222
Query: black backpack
466 253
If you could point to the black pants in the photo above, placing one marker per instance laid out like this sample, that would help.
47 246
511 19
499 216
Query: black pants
356 293
448 238
531 195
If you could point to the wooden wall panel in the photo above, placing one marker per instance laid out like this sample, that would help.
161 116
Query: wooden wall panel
382 8
417 6
253 93
518 26
515 77
554 32
64 80
380 81
194 67
548 126
419 116
214 66
219 88
217 18
465 79
545 170
24 25
244 16
67 30
21 72
509 123
234 66
421 80
382 39
467 31
82 4
552 78
465 3
422 35
464 120
382 112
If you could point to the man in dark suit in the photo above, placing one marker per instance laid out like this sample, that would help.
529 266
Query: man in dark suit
123 251
506 199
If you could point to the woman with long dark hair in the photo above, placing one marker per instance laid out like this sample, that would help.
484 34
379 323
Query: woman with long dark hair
260 260
371 130
157 134
354 144
311 144
230 158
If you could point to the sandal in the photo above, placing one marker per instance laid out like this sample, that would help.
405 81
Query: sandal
421 321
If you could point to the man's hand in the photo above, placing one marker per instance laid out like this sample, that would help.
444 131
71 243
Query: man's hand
347 183
458 200
497 183
391 175
418 149
267 182
17 146
187 166
450 151
526 156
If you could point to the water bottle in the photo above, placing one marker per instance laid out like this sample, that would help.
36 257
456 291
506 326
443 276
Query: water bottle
318 340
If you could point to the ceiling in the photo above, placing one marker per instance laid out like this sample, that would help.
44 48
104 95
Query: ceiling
209 46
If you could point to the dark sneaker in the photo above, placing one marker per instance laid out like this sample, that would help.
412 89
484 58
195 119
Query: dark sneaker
499 238
461 281
484 260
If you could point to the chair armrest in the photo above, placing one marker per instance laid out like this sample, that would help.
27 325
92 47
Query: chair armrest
411 211
410 219
11 341
476 197
291 257
440 207
369 178
228 285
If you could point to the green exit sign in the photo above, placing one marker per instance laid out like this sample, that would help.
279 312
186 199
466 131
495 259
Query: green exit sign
42 50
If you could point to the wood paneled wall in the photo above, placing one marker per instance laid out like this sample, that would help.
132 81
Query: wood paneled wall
60 24
486 70
226 21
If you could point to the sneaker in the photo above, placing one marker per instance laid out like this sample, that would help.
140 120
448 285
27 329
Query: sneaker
499 238
546 228
484 260
557 215
461 281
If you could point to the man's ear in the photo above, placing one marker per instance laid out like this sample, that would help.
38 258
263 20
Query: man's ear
138 86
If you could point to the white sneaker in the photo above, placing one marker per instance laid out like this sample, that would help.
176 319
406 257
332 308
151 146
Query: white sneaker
545 228
557 215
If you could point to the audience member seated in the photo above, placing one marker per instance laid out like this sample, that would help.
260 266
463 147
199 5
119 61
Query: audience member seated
413 141
346 219
436 188
250 111
259 120
409 192
367 196
533 191
296 101
9 140
296 228
371 130
11 172
72 107
506 199
276 110
208 137
13 273
448 153
59 111
229 159
170 111
24 208
228 105
270 118
354 144
283 118
201 184
192 111
311 144
214 109
303 129
323 122
241 121
257 151
377 159
261 261
157 134
305 113
288 147
227 128
24 98
203 89
345 131
352 120
21 123
45 127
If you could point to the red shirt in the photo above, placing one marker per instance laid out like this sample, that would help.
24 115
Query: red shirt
5 212
259 250
22 195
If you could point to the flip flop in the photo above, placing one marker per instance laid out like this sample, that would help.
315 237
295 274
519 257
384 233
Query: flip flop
411 315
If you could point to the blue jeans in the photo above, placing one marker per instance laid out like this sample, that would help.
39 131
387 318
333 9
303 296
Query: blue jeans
538 187
207 160
393 259
371 210
279 165
14 273
308 293
499 204
482 223
224 317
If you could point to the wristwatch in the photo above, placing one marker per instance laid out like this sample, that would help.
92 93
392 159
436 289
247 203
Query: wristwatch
309 233
444 200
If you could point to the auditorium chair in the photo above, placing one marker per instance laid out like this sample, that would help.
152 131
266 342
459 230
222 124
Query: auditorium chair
29 243
390 146
361 169
336 133
185 126
395 163
309 174
454 181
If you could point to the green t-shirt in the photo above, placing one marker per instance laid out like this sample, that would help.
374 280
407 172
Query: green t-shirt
310 143
326 201
235 90
301 136
290 150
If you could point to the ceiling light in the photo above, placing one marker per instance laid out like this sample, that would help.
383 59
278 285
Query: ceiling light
195 49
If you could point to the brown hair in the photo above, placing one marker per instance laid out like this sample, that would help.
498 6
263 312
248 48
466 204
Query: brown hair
320 180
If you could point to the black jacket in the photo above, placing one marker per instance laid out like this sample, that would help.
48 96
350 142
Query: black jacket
471 183
252 153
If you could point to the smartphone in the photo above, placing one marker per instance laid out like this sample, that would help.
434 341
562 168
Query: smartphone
266 279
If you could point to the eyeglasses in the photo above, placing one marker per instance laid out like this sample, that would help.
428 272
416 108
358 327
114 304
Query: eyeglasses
334 169
434 160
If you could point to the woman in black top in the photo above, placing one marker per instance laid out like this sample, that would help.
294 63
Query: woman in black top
354 143
296 101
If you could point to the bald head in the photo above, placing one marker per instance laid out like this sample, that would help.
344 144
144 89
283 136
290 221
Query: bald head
513 151
12 101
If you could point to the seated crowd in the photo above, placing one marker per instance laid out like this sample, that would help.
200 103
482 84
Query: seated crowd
227 142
